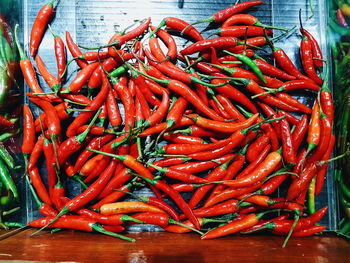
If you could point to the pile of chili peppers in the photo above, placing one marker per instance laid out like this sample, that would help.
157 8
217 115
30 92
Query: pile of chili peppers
338 34
10 112
211 129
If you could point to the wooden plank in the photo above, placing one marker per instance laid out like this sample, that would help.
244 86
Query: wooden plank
165 247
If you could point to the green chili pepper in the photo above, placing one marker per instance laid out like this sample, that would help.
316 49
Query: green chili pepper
6 157
250 63
6 178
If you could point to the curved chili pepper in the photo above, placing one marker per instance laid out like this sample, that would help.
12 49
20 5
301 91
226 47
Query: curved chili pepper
91 192
245 19
307 59
47 76
39 26
181 26
62 113
38 185
229 11
27 68
284 226
184 91
286 64
168 41
264 169
95 79
75 51
316 50
294 103
158 115
52 120
114 116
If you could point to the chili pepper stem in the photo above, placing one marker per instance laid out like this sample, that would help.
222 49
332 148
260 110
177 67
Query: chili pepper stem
172 221
63 211
78 179
207 20
98 228
297 216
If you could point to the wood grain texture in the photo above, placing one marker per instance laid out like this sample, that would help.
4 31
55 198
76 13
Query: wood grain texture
164 247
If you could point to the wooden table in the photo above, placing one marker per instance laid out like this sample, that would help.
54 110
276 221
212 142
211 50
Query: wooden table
165 247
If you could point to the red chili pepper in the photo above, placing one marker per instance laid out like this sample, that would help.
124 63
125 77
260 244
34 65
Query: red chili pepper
96 77
286 64
234 226
225 127
262 155
177 198
39 26
180 25
254 149
62 113
39 185
316 50
272 71
82 77
114 116
51 166
241 31
75 51
144 107
203 45
179 175
217 174
47 76
28 142
127 101
299 132
229 11
263 170
294 103
284 226
288 150
184 139
61 58
307 59
233 93
200 166
52 120
95 104
321 174
74 143
158 115
168 41
108 220
77 223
